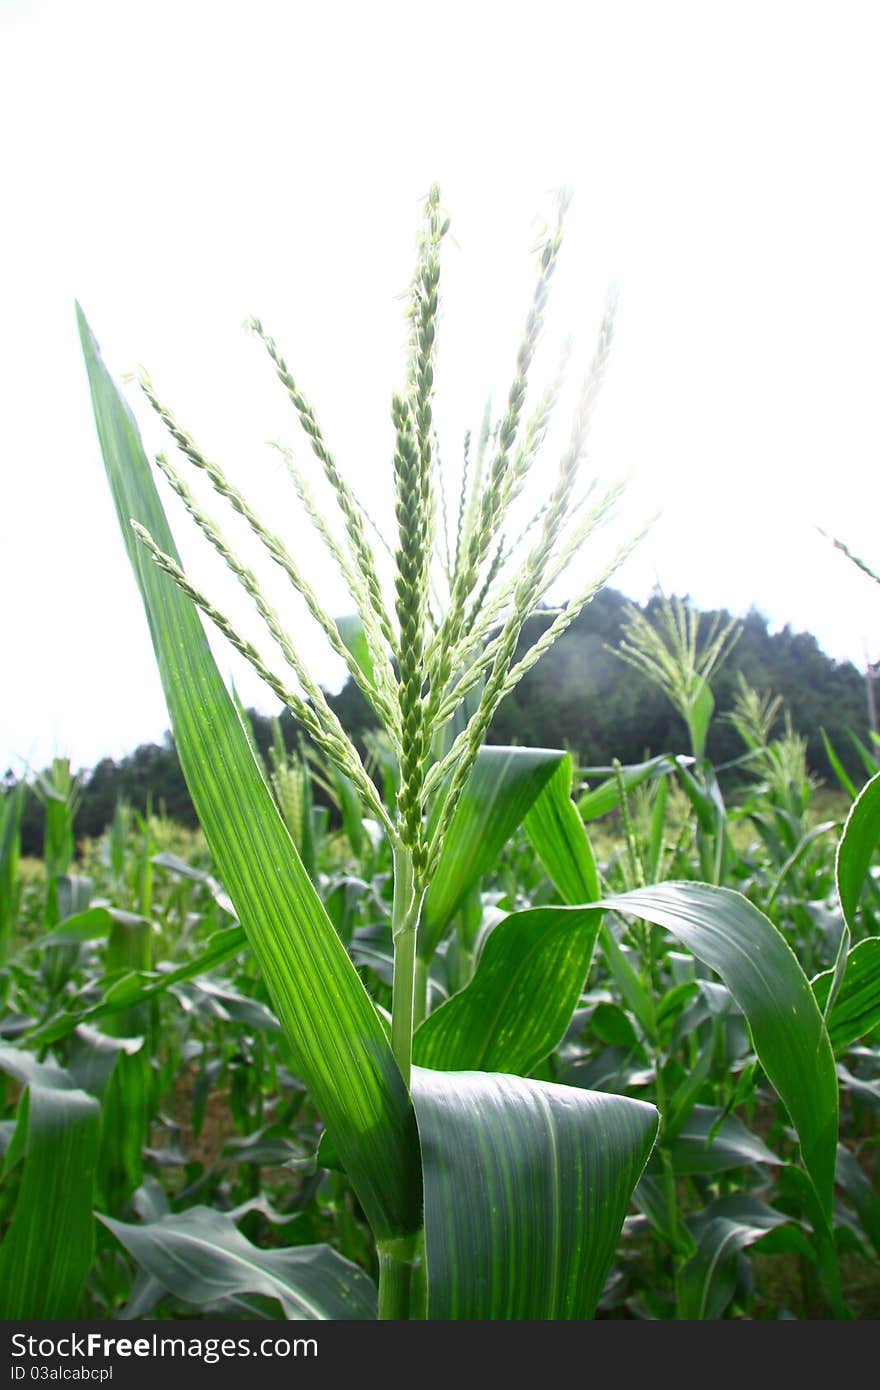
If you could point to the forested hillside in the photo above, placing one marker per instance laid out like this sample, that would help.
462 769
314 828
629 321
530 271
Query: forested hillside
580 696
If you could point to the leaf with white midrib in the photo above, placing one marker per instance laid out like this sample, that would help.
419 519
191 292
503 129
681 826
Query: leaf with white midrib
730 935
526 1187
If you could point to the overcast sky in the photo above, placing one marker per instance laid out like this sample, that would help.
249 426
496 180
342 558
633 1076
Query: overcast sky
177 166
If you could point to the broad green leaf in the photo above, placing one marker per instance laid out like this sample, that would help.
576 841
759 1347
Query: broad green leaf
501 788
611 1025
857 847
728 933
707 1283
47 1250
855 1011
558 837
526 1187
522 996
602 799
556 831
708 1143
200 1256
130 948
118 1071
331 1026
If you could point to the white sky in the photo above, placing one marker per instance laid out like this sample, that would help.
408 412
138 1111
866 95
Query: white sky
178 166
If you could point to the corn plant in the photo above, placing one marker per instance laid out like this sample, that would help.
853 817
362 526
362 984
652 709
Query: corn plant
489 1194
679 660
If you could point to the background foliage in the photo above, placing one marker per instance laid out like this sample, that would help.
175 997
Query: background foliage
593 704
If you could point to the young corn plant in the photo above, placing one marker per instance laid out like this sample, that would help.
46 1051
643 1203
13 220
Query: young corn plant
490 1194
679 660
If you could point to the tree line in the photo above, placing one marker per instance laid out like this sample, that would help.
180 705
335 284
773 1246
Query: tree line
580 696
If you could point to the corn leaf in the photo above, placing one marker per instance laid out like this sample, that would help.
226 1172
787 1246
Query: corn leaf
556 831
603 798
860 1191
200 1256
859 840
117 1071
47 1250
838 769
728 933
522 996
502 787
707 1283
557 835
711 1142
334 1032
526 1187
868 759
855 1011
138 986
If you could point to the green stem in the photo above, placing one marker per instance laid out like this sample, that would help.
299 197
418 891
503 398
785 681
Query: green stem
404 922
402 1289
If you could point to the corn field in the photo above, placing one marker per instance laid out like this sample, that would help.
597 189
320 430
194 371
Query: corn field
431 1028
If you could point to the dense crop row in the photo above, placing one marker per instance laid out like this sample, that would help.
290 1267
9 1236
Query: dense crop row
520 1040
163 1098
